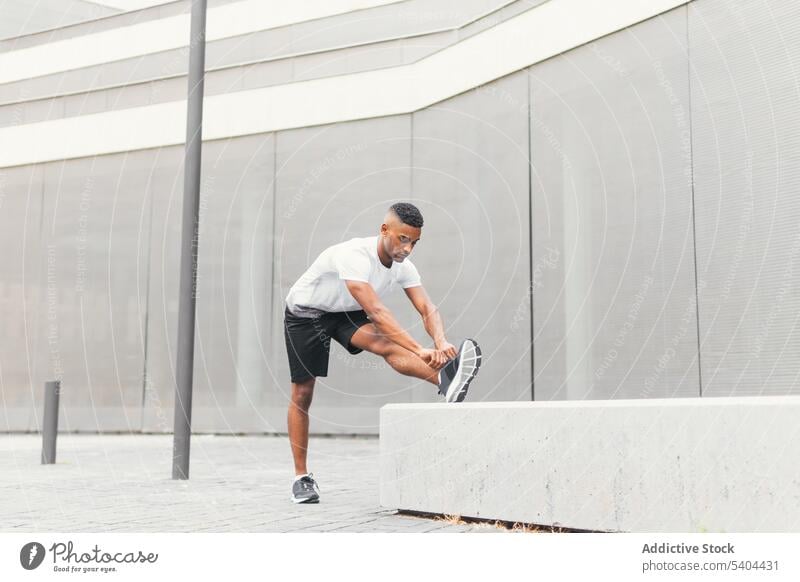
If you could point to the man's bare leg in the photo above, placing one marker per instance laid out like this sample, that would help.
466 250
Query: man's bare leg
302 393
409 364
402 360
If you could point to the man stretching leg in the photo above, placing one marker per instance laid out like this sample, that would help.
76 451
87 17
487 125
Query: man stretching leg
339 297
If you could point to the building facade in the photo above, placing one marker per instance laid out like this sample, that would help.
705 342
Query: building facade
609 192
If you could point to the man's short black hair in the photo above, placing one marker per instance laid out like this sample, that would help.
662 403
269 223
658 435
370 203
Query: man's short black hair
407 213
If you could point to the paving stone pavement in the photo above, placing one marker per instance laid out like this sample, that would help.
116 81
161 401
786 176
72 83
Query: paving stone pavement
122 483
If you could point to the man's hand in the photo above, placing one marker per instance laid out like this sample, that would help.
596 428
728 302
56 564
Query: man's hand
447 348
436 359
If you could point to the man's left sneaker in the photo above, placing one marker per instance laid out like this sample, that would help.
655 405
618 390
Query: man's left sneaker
455 376
305 490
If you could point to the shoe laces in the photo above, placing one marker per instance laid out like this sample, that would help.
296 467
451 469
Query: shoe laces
307 482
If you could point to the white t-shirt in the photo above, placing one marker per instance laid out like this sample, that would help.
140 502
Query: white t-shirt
322 287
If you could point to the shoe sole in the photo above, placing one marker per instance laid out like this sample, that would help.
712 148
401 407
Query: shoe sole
461 392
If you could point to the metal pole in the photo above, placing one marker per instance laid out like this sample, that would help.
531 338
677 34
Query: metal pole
189 236
50 425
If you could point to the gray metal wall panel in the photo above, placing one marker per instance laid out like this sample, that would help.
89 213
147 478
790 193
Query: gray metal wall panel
348 60
32 111
270 43
470 170
613 270
142 94
232 380
745 115
94 234
375 24
267 74
21 292
165 192
501 14
334 183
419 47
232 355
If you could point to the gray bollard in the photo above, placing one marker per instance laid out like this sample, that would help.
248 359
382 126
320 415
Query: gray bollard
50 425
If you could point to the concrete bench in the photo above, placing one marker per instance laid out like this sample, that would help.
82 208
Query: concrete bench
648 465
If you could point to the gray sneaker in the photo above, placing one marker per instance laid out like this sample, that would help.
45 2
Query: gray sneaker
456 374
305 490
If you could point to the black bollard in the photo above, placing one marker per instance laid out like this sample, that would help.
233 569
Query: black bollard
50 425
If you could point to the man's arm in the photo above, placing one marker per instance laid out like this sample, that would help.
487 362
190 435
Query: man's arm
431 319
388 326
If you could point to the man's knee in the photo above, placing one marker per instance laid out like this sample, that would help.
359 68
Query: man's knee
302 393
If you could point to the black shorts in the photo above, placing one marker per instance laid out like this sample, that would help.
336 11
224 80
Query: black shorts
308 339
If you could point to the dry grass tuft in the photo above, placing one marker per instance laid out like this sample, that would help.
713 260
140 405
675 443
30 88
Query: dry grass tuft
478 523
524 528
452 519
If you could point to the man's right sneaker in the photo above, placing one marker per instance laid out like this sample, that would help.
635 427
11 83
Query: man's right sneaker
305 490
455 376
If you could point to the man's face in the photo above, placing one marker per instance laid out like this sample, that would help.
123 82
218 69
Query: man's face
399 238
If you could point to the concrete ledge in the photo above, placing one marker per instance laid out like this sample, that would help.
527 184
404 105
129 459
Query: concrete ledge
656 465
